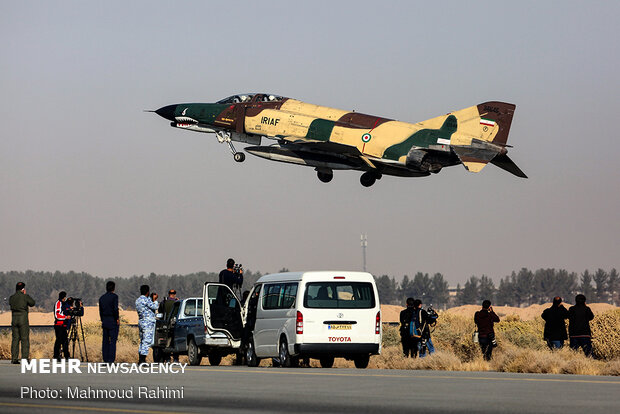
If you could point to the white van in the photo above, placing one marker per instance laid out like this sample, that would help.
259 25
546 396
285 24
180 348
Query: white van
322 315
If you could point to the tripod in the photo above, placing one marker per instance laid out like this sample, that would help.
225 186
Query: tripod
74 338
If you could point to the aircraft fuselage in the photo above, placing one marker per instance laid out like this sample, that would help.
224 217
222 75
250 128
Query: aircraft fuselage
330 139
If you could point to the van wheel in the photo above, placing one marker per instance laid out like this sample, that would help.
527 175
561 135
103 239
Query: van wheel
362 361
250 354
285 357
193 353
215 359
327 362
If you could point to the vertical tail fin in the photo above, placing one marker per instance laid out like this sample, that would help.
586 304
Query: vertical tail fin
483 134
496 117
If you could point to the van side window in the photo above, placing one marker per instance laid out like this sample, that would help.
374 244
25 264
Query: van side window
279 295
290 294
190 308
271 296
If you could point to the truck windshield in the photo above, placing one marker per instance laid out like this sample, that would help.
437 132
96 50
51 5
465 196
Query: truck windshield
339 295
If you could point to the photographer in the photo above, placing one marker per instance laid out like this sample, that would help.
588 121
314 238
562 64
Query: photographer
61 326
232 276
484 319
429 319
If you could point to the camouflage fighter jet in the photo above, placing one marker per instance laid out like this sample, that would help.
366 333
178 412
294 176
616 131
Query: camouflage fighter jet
331 139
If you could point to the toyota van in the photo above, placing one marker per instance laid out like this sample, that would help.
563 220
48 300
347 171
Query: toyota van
321 315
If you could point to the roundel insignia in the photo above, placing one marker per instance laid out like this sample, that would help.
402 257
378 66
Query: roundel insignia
366 137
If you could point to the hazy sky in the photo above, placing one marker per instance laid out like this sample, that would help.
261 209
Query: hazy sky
89 182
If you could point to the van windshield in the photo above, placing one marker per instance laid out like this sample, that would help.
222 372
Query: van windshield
339 295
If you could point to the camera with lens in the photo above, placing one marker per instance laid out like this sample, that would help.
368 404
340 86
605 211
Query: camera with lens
238 271
432 313
76 307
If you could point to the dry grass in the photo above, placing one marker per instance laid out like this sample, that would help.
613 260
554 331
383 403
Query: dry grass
42 343
521 348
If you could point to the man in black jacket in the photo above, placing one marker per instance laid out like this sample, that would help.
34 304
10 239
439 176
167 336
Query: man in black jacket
230 276
579 317
410 345
484 319
555 327
110 322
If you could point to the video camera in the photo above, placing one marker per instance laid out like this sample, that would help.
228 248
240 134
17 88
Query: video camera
76 307
238 270
432 313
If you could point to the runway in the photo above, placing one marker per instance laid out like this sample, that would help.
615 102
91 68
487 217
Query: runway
310 390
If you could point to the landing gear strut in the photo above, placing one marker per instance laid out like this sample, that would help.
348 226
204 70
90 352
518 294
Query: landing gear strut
325 175
369 177
224 136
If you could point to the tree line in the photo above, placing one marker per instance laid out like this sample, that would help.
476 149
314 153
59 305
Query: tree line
522 288
44 286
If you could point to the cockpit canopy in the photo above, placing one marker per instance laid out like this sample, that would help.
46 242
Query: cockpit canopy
251 97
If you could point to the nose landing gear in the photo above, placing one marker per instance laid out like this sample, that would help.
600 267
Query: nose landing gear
224 136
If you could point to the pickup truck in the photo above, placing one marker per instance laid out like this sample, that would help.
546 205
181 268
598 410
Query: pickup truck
197 331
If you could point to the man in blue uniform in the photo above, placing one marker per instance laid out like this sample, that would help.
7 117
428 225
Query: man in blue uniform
110 322
146 306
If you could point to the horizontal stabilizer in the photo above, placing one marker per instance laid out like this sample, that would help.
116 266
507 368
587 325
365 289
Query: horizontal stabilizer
476 157
505 163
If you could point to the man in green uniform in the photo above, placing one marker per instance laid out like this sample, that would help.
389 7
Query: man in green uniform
20 302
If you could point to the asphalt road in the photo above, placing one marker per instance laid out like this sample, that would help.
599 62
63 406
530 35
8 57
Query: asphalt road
310 390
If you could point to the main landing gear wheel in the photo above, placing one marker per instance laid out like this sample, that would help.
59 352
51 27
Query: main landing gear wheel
325 176
369 177
239 156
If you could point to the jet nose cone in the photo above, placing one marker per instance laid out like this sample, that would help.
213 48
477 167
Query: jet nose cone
167 112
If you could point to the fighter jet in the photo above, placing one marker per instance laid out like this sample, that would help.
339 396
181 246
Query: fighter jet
331 139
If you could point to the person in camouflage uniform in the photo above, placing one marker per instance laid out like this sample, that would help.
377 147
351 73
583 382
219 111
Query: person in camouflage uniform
146 307
19 303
